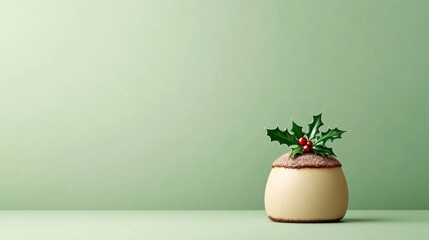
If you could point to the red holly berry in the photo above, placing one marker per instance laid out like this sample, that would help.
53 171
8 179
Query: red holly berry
307 149
309 143
302 141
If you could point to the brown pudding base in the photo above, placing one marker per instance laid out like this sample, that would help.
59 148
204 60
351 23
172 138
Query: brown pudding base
304 221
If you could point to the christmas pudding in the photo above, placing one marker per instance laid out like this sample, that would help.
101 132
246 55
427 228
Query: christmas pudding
306 184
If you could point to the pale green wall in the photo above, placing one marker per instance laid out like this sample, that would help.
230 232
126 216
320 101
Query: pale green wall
163 104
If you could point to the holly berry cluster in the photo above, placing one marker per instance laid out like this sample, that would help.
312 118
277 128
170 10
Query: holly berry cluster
305 144
313 141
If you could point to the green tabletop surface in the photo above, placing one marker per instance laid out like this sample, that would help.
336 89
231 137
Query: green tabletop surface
358 224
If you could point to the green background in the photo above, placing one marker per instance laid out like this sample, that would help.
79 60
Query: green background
163 104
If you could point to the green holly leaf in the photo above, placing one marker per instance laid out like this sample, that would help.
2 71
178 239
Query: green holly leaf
313 127
295 150
329 135
322 150
297 130
283 137
318 138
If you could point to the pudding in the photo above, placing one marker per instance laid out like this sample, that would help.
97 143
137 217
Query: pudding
306 188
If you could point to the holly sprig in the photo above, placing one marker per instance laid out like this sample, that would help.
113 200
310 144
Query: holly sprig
312 141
